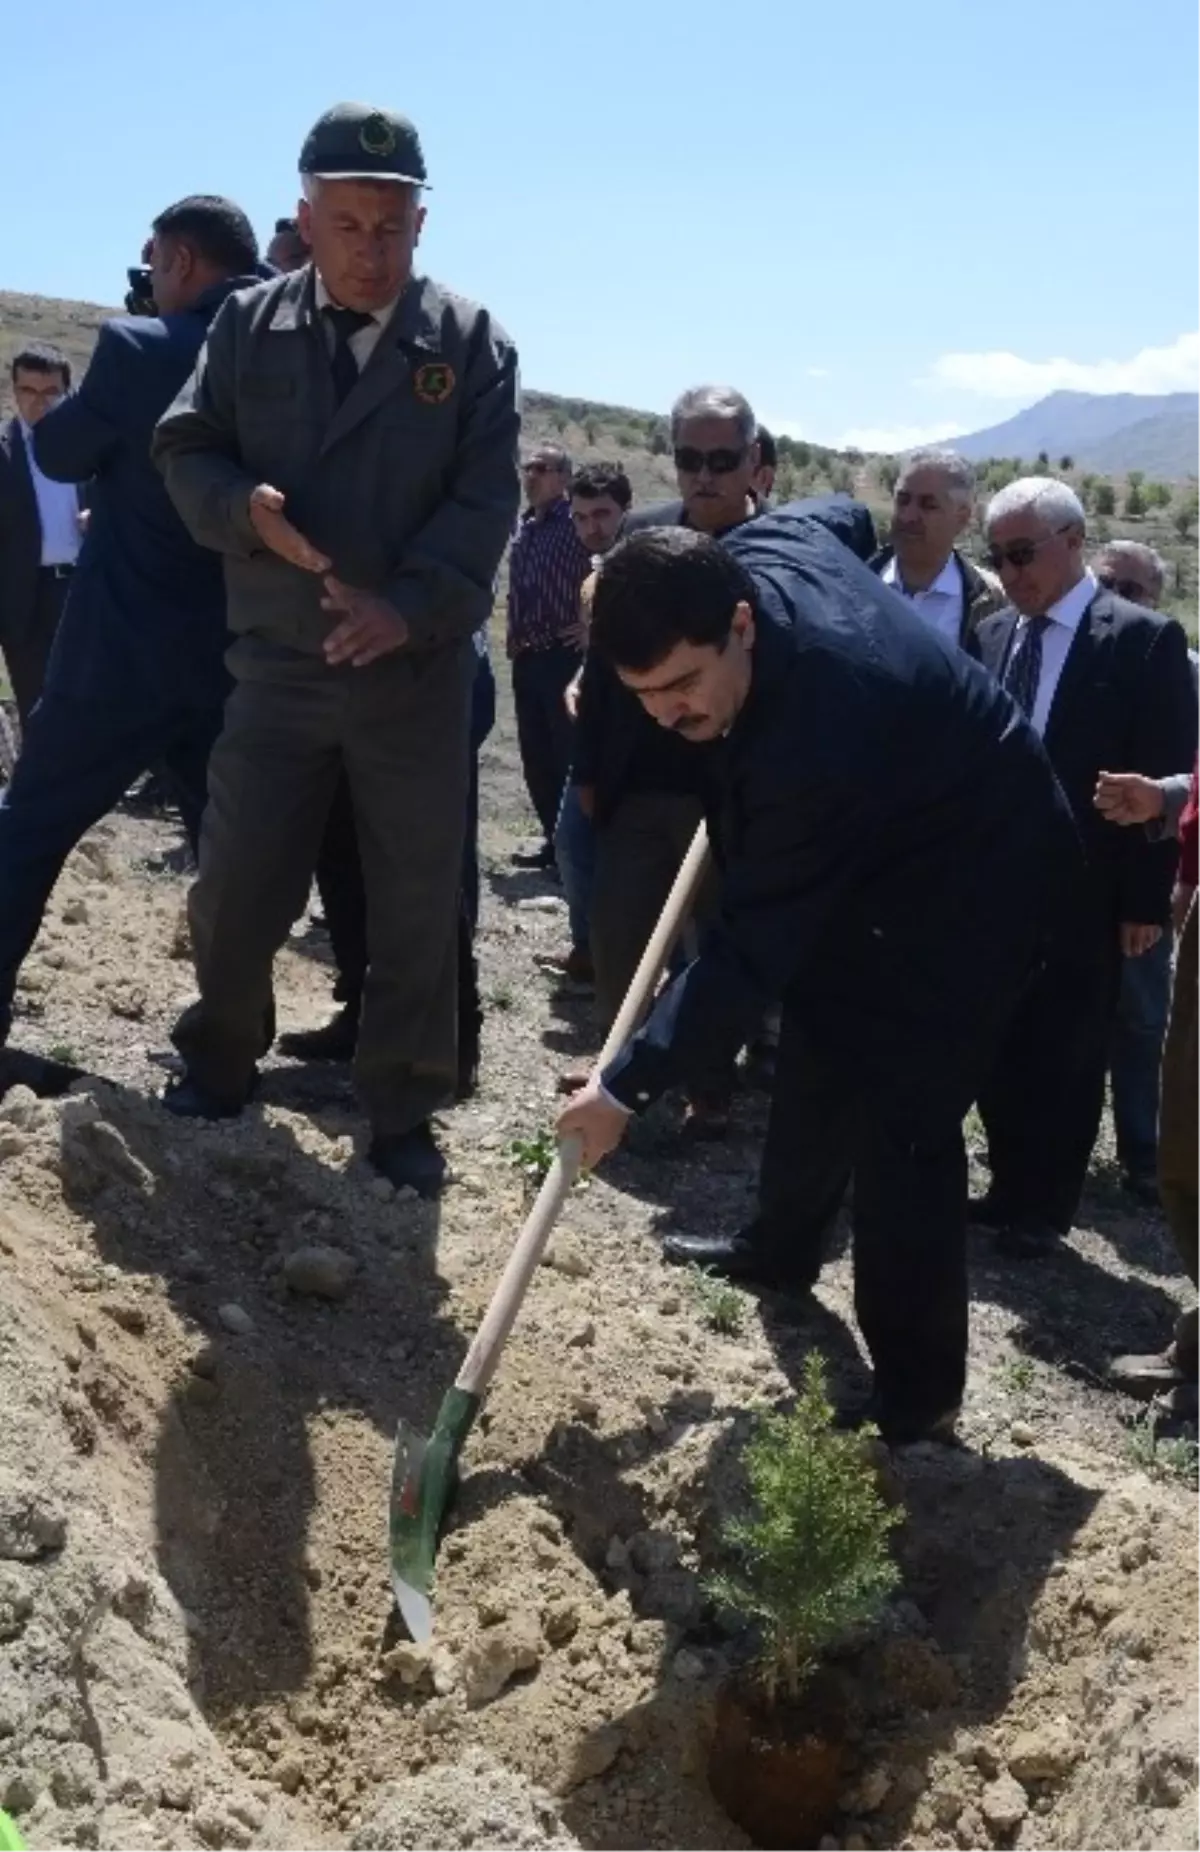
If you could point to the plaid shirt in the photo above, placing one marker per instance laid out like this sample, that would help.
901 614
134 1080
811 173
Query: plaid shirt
546 570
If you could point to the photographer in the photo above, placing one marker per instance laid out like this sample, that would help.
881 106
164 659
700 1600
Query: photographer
137 675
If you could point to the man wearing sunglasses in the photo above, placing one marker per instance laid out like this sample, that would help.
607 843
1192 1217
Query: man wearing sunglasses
1105 682
931 507
546 570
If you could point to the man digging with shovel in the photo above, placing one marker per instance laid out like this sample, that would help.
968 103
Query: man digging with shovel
896 856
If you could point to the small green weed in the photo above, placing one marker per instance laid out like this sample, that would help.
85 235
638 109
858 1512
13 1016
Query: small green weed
502 998
1016 1375
532 1157
64 1052
1175 1457
722 1306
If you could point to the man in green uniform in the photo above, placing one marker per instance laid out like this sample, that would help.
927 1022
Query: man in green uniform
348 442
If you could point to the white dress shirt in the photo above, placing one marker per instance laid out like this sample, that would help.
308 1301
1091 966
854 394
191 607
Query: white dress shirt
940 604
1057 638
58 511
363 344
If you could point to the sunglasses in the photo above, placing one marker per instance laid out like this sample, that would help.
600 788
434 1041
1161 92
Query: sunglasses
716 462
1124 588
540 469
1020 553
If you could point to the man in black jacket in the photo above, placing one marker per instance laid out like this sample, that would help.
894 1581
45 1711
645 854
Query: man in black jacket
931 507
893 843
137 676
1106 684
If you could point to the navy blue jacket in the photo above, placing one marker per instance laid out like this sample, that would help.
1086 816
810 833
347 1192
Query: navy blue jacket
145 616
894 845
613 732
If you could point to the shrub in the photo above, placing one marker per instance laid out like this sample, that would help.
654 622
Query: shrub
1105 498
1135 502
811 1562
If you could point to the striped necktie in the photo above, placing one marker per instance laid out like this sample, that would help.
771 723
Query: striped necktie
1024 672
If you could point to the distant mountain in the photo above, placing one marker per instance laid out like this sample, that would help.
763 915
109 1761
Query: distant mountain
1107 432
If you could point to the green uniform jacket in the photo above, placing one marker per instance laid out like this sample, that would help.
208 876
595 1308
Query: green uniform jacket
410 486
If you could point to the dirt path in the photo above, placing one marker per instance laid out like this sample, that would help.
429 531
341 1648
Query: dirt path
193 1594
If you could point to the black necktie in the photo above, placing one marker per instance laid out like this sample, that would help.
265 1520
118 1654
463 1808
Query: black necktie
1024 671
345 323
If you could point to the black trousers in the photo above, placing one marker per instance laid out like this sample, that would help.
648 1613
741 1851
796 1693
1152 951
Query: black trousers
910 1213
544 727
77 760
1042 1103
27 654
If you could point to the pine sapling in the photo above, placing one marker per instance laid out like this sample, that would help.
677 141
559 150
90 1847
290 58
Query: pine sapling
811 1562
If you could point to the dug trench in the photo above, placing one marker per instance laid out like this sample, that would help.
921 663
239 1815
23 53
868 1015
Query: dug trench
207 1335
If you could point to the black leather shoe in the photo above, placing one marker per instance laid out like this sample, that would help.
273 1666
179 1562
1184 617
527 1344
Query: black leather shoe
336 1040
903 1429
410 1160
187 1100
1027 1239
741 1257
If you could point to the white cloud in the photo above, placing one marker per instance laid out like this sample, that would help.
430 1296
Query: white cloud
894 437
1001 375
817 372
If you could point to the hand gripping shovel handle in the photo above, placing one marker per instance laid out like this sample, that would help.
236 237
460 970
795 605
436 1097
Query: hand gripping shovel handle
484 1354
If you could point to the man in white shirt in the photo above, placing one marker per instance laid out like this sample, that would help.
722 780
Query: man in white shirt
40 533
931 507
1105 683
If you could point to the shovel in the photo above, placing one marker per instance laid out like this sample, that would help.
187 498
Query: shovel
425 1471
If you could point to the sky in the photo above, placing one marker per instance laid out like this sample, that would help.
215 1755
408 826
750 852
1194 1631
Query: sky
882 223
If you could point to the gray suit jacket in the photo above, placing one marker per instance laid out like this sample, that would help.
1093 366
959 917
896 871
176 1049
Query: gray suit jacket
410 486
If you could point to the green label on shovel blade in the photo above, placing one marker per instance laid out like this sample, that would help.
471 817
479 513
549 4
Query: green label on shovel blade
10 1839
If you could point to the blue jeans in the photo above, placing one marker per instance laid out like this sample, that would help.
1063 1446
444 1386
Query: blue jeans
575 853
1136 1053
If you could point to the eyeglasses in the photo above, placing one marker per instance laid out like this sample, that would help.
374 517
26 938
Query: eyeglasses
540 469
716 462
1124 588
1020 553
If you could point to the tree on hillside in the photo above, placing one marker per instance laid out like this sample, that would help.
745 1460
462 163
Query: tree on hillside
1135 502
591 431
1066 463
559 420
1135 478
1184 518
1105 498
1087 489
1043 462
888 472
1158 494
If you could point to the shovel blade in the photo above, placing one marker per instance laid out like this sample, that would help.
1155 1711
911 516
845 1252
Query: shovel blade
424 1478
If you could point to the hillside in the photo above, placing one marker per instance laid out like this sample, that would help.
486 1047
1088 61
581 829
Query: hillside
1113 432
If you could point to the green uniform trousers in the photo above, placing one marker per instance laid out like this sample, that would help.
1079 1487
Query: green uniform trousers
399 728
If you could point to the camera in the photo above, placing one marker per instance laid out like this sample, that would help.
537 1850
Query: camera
139 299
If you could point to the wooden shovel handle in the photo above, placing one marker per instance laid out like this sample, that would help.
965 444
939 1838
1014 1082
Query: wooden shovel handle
480 1362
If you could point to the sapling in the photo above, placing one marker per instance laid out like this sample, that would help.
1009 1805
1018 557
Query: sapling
811 1562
